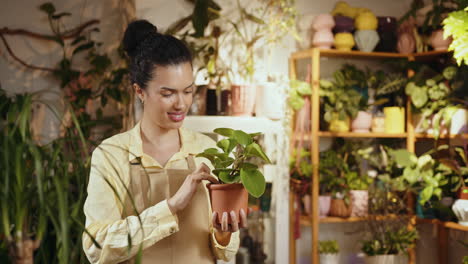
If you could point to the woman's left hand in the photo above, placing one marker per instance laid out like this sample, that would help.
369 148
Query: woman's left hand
234 226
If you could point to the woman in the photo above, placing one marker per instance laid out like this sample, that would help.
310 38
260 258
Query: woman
146 192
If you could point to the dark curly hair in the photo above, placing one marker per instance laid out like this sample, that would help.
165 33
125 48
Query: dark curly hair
148 49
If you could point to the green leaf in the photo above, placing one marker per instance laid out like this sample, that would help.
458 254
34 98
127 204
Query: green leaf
227 132
227 145
253 181
255 134
227 178
59 15
402 157
254 150
252 18
200 17
248 166
83 47
426 194
243 138
48 8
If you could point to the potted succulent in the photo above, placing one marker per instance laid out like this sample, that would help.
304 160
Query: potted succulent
328 250
341 102
238 176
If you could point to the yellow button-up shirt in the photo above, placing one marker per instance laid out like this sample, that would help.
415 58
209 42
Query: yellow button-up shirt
109 178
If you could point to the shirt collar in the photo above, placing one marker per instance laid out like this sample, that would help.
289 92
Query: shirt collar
136 146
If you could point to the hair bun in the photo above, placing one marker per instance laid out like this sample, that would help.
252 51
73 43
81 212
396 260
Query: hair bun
136 32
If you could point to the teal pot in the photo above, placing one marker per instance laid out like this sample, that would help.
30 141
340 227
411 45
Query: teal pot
366 40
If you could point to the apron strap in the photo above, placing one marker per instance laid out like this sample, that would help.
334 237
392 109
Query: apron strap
191 162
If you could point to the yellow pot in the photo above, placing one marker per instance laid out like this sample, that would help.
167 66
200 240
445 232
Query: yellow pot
337 125
344 41
394 119
366 21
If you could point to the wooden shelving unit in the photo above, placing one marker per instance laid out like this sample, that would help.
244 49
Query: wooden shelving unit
313 220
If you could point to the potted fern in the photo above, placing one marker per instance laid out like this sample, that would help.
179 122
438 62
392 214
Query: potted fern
328 250
237 174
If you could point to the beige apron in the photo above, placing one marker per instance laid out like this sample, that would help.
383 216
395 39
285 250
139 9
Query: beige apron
191 244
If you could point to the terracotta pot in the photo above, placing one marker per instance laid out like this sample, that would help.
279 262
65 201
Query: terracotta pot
242 99
344 41
366 40
324 205
406 43
25 251
323 39
460 209
343 24
227 198
438 42
463 193
394 119
339 208
359 202
329 258
362 123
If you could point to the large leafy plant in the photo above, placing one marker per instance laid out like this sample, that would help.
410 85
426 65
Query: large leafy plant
423 175
456 25
298 91
232 161
390 241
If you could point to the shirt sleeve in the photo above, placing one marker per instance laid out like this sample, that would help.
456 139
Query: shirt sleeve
227 252
119 238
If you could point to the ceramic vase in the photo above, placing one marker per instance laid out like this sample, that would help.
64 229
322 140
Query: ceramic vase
366 21
387 30
394 119
324 205
362 123
359 203
242 100
329 258
460 208
406 43
323 37
438 42
459 123
343 24
366 40
386 259
344 41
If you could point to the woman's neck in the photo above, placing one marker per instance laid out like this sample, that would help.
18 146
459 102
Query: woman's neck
157 136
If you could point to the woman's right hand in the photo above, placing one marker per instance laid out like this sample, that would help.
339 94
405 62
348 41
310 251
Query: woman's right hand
188 188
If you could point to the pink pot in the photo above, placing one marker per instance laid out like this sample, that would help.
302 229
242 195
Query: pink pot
324 205
323 21
438 42
242 99
323 39
359 203
406 43
362 123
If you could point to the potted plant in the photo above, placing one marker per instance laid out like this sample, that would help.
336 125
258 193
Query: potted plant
328 160
455 25
388 244
341 102
359 194
238 176
328 250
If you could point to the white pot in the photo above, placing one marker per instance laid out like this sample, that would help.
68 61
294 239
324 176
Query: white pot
329 258
362 123
460 208
359 203
386 259
459 123
270 101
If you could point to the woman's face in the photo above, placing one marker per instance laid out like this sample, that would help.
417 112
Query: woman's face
169 95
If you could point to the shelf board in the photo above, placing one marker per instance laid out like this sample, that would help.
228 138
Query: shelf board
446 224
306 221
431 136
333 53
361 135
